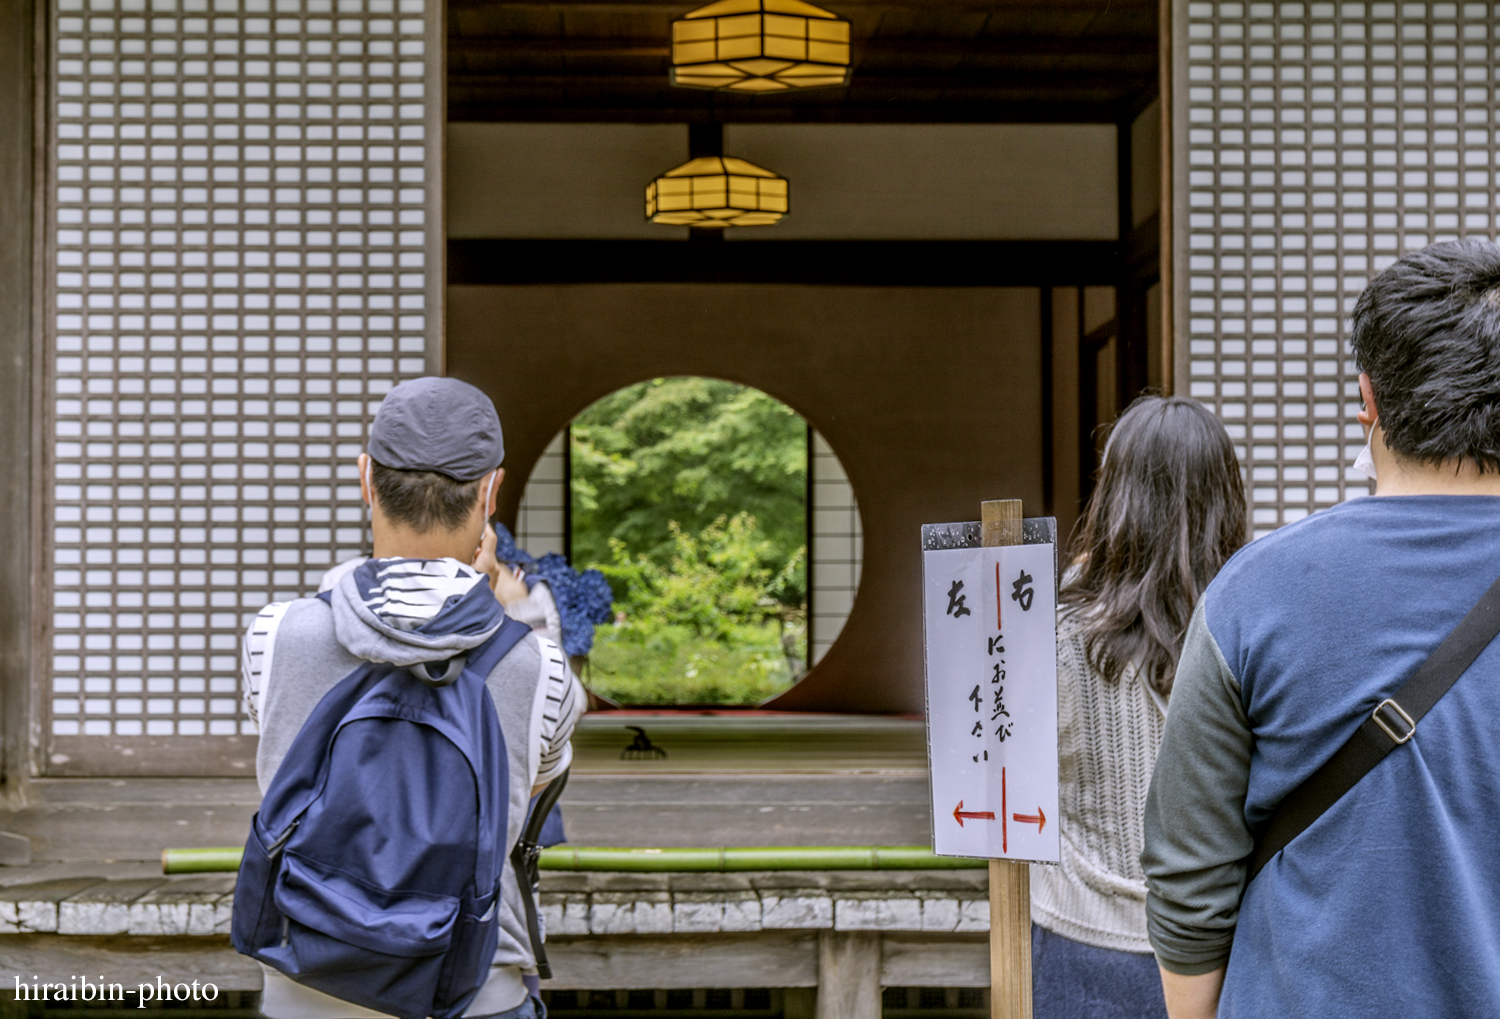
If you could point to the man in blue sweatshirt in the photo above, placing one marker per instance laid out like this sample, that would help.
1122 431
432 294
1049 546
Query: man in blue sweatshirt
1389 903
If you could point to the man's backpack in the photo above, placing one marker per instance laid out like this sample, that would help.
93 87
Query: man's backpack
372 871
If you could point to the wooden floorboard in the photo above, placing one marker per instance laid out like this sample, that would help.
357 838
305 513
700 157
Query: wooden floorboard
749 780
94 819
791 744
690 743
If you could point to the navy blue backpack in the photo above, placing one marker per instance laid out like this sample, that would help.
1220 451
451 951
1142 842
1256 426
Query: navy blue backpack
372 871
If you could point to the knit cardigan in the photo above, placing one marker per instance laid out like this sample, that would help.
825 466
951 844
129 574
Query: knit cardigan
1108 738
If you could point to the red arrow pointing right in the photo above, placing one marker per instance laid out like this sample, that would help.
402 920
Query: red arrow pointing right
1039 819
959 813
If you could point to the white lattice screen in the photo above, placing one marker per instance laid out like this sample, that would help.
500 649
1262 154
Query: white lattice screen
837 552
1324 139
242 223
542 519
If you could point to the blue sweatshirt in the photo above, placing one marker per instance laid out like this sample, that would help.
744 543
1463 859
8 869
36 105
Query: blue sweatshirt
1389 904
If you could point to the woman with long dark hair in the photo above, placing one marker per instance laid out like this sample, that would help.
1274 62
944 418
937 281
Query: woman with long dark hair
1167 512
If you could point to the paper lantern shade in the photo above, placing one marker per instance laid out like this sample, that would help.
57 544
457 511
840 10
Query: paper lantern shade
760 46
717 191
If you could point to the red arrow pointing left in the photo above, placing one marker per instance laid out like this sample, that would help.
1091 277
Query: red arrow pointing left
1039 819
959 813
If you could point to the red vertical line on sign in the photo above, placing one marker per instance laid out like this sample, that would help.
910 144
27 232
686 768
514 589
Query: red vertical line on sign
1004 812
998 624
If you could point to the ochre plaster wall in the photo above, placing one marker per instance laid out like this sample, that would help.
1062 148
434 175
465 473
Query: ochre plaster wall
848 181
930 397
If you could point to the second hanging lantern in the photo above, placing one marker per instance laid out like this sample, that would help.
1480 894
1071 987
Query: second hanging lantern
717 191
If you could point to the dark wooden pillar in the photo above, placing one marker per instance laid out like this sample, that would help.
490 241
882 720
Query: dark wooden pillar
19 438
1137 274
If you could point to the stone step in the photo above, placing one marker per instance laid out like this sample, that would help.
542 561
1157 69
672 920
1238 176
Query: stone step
574 903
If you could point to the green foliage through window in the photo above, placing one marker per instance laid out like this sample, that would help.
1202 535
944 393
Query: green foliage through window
691 495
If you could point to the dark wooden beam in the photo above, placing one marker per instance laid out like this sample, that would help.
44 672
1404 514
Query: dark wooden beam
463 48
839 263
1138 103
956 98
1042 9
1031 81
1140 251
510 108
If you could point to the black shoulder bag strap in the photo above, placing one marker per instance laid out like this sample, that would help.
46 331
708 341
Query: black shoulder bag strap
525 858
1391 724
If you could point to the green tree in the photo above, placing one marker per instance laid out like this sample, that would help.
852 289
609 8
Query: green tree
688 451
707 627
713 584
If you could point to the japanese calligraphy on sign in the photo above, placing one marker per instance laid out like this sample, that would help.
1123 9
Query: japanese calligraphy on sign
991 626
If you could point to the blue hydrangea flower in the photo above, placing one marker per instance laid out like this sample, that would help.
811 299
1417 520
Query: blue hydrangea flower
584 600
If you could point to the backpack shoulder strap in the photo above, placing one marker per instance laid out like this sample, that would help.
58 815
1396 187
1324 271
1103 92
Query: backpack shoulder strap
484 658
1392 723
285 800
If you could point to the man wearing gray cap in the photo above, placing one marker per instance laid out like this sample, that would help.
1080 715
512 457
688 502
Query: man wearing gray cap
430 478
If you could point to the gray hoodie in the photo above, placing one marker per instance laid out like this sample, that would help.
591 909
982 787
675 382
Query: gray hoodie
296 652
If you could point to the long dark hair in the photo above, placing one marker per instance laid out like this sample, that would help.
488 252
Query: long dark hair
1167 512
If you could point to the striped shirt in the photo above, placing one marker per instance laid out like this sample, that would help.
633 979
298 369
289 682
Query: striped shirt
560 699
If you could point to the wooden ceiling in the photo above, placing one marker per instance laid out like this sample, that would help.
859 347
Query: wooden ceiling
914 61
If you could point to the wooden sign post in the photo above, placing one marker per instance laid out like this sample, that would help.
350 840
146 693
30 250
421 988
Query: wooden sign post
990 619
1010 880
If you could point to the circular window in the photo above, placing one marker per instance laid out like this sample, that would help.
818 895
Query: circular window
727 530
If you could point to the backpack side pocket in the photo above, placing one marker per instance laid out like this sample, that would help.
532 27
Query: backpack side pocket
466 966
256 922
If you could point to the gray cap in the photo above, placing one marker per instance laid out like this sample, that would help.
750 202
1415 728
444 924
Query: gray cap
438 424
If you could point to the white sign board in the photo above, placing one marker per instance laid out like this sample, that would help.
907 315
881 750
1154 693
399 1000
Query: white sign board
991 625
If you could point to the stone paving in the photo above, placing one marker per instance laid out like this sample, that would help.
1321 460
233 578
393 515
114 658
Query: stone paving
573 903
600 903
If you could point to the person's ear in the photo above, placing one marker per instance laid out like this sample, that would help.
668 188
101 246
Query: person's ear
1369 414
366 486
494 490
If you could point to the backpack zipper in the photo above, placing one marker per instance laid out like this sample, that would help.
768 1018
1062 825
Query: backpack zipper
274 849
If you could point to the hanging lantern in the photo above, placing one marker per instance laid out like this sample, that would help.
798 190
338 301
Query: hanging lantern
716 191
760 46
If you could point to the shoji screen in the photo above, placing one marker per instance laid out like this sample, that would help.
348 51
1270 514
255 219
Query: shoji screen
837 551
1322 140
243 259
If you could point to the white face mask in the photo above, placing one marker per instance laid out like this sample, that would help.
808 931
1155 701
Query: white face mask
1365 463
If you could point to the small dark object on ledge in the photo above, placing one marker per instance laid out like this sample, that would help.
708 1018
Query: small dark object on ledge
641 748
